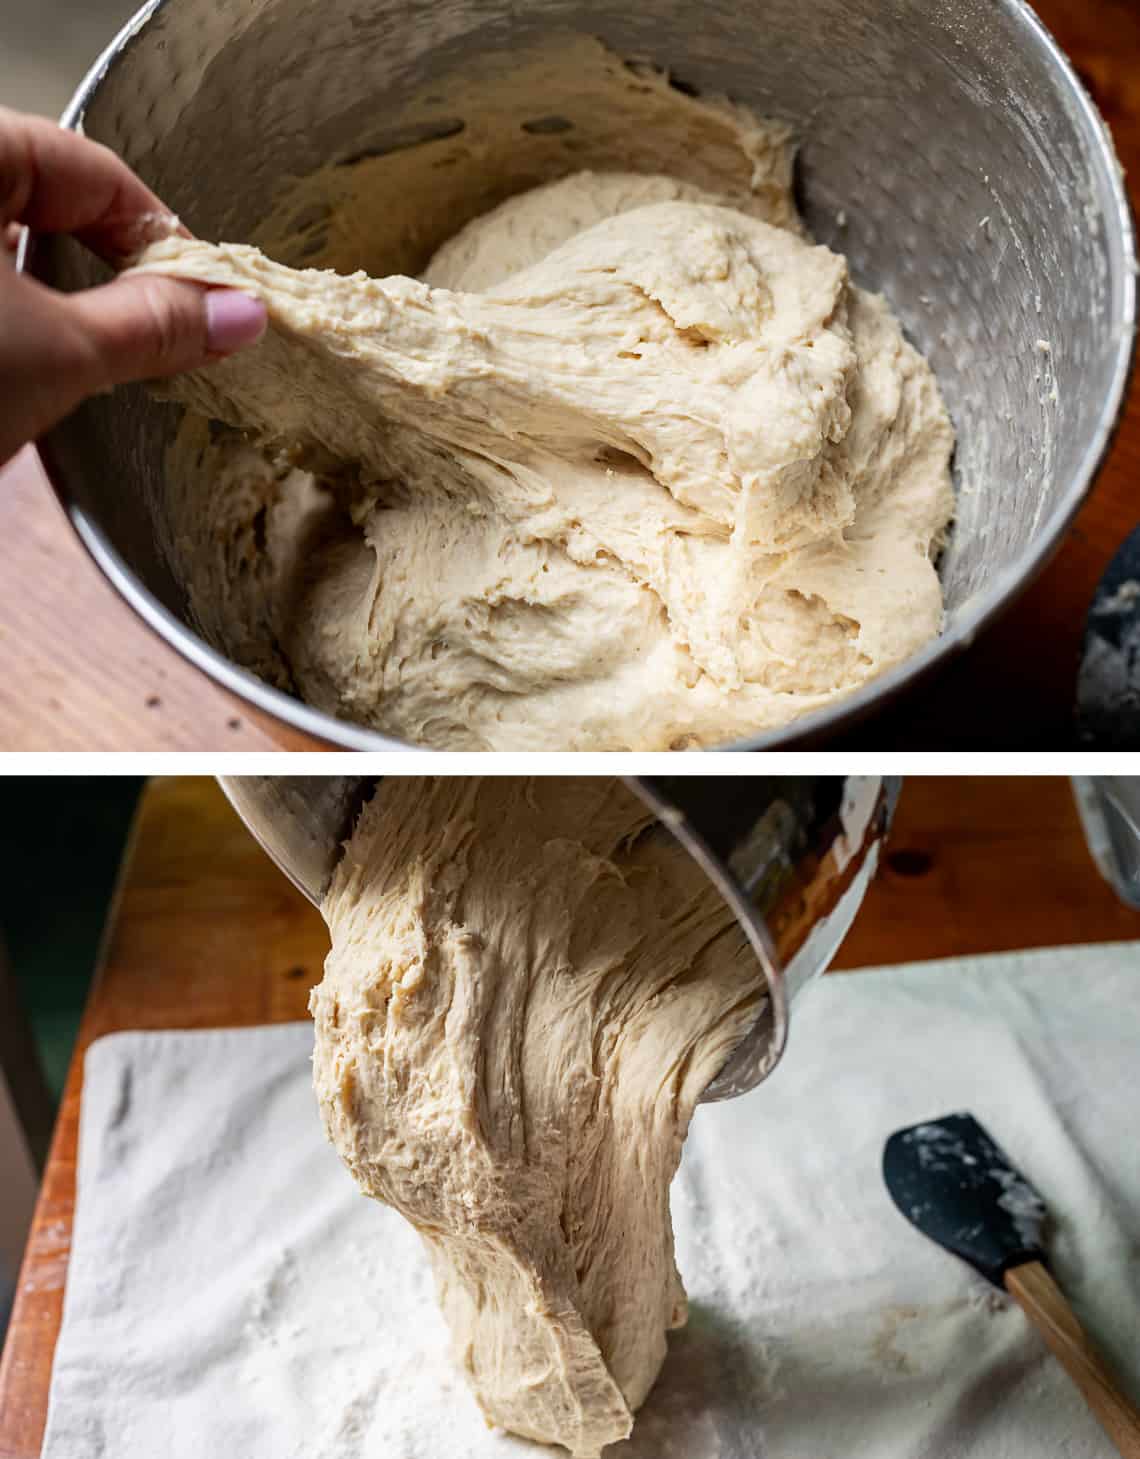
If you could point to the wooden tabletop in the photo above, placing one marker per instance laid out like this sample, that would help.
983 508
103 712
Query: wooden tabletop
206 933
79 671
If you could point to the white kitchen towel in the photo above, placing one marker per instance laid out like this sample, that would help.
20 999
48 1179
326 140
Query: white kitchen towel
230 1293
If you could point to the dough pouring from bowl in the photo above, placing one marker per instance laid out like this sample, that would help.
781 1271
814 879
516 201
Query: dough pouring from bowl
635 466
530 985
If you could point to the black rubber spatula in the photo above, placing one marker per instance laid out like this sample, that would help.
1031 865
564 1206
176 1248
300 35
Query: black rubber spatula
957 1186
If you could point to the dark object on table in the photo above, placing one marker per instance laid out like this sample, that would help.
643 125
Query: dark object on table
1108 681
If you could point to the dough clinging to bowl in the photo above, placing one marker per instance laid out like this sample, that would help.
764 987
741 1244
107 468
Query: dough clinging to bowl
637 466
525 998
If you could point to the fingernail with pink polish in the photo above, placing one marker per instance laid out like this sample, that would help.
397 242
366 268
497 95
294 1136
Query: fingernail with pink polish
233 321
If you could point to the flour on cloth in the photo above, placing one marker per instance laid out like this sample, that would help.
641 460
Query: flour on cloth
529 988
633 465
229 1292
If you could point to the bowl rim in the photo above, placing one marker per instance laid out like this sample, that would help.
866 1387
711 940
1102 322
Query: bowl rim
819 725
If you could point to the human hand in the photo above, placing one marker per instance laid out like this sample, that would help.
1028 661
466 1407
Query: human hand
56 349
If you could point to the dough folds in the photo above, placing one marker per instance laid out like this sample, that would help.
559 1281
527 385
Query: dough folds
631 467
529 986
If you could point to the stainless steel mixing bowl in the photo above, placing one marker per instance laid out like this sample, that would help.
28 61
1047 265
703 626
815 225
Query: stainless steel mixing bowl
792 856
948 150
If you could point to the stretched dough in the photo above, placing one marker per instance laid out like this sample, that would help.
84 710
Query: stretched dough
630 469
529 986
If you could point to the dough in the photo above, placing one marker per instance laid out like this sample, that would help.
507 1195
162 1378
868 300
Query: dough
530 985
635 466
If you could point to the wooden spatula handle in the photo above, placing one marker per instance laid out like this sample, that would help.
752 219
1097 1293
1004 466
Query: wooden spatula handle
1045 1306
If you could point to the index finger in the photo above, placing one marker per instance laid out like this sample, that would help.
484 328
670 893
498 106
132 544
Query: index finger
54 181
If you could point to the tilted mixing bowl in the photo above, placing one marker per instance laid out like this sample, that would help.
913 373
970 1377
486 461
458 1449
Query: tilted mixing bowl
947 149
791 856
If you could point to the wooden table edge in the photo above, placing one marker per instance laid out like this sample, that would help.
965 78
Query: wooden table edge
53 1220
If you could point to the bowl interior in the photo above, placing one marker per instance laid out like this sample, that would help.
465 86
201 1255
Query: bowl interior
944 148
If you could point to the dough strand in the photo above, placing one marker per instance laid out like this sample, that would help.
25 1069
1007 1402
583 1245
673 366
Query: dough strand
529 987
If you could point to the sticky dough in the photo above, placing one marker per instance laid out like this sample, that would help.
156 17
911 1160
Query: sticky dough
634 465
529 986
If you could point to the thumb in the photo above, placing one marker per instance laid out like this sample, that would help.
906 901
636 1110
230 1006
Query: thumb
145 327
55 349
